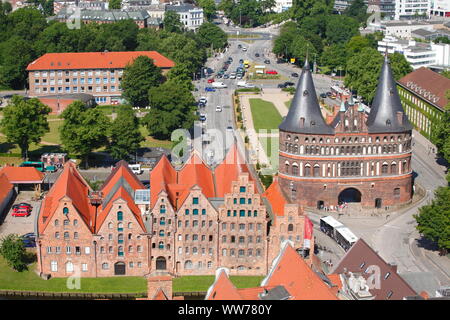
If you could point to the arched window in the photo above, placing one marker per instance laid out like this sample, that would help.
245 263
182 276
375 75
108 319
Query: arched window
119 215
161 233
162 209
295 169
307 170
66 236
286 167
65 210
290 227
56 222
162 221
241 253
316 170
161 245
188 264
384 168
393 168
397 193
241 239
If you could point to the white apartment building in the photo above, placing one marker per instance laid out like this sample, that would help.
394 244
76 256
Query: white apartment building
418 54
404 29
407 9
190 16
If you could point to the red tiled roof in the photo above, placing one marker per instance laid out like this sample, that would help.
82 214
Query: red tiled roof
71 184
275 197
121 170
292 272
223 289
252 293
95 60
196 172
161 175
228 171
360 257
336 280
429 81
5 187
22 174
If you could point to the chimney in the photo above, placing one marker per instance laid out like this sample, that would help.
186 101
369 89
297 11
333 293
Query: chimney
400 117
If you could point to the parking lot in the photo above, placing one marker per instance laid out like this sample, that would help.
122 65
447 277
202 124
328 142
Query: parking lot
20 225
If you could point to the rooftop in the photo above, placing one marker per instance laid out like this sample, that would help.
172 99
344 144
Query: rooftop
22 174
95 60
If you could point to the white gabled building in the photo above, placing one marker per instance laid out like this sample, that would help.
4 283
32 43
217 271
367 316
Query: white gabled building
190 16
408 9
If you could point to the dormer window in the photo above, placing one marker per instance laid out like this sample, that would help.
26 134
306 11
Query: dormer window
65 211
388 122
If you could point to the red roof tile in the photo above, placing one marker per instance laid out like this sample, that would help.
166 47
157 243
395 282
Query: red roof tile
275 197
121 170
223 289
429 81
72 185
22 174
292 272
95 60
160 295
196 172
5 187
228 171
161 175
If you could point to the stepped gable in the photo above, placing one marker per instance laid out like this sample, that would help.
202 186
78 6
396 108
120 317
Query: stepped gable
72 185
386 113
304 115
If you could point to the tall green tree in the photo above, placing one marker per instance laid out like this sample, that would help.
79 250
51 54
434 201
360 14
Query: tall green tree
172 22
433 221
84 129
340 28
13 250
440 132
209 8
24 122
172 107
125 136
138 78
358 10
334 56
211 35
363 71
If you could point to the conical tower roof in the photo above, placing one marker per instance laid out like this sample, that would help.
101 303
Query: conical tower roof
305 116
385 113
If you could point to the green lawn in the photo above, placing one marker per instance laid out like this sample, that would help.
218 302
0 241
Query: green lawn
202 283
264 114
53 135
29 281
151 142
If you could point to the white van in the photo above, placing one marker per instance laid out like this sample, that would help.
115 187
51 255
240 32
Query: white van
136 168
219 85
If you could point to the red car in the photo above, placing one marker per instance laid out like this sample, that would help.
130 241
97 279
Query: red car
210 80
21 213
22 206
271 72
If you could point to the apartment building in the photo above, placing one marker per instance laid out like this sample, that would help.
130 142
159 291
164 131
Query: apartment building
411 9
190 16
95 73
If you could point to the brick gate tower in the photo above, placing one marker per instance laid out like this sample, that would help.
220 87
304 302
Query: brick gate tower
354 158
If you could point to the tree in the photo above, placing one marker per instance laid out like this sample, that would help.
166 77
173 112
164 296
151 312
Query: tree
172 22
358 10
181 75
13 250
83 130
25 122
115 4
15 55
211 35
27 23
340 28
172 107
209 8
446 73
138 78
433 221
125 137
334 56
363 71
356 44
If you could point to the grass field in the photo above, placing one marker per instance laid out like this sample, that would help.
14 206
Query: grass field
29 281
264 114
53 135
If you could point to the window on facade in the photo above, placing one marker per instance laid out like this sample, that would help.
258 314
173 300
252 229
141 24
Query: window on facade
195 212
241 200
161 233
75 235
56 235
203 212
241 239
224 226
119 215
186 211
224 239
224 252
66 236
233 239
56 222
54 266
195 200
241 253
250 239
241 213
290 227
241 189
231 226
384 169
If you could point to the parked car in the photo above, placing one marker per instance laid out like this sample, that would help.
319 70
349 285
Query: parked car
256 54
289 84
202 117
210 89
211 80
281 85
239 46
21 213
241 60
271 72
19 206
226 76
230 59
329 94
29 243
218 109
267 61
229 128
203 100
244 49
233 75
323 95
294 74
30 235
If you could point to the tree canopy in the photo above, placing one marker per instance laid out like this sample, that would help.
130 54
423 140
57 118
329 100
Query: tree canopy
83 130
172 107
137 80
115 4
24 122
13 250
172 22
125 137
209 8
211 35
